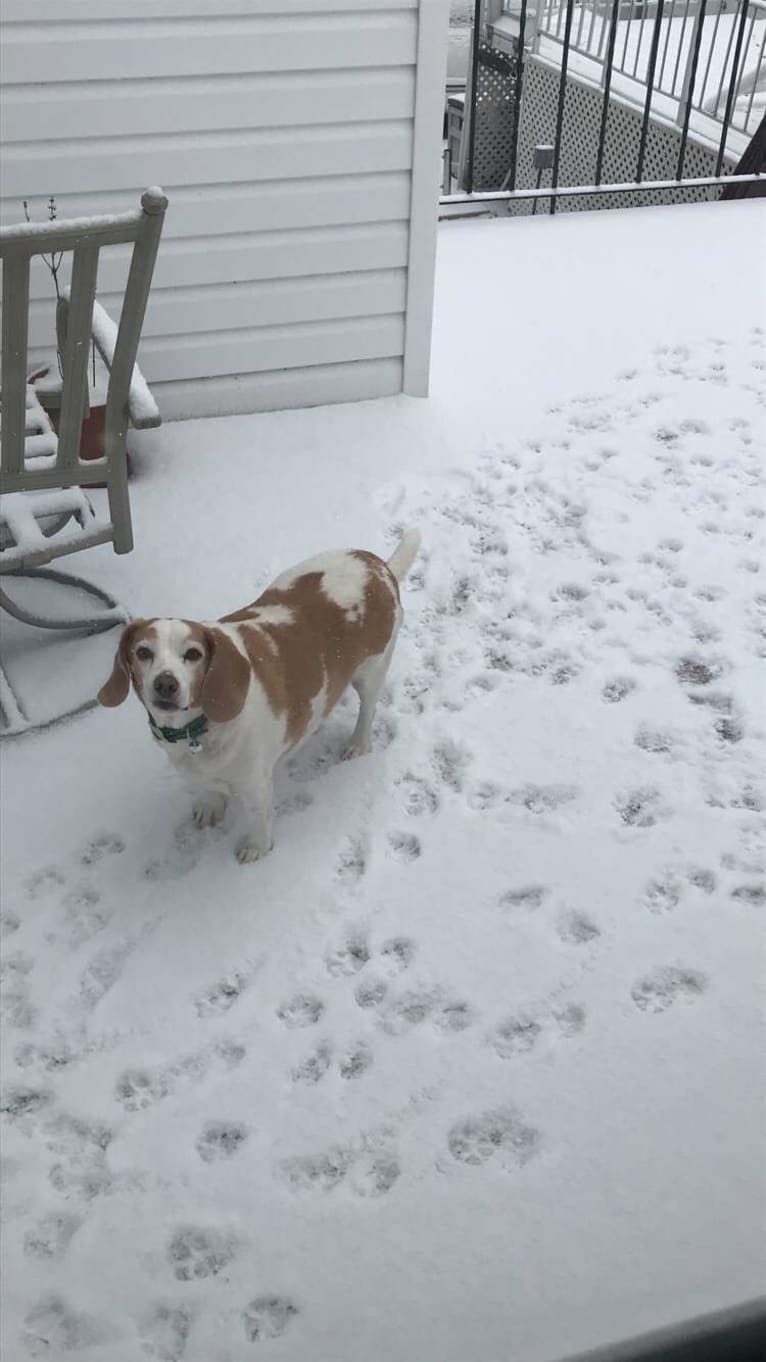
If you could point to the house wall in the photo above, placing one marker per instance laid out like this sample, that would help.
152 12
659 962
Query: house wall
298 142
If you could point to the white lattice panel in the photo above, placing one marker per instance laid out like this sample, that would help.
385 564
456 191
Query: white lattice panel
579 145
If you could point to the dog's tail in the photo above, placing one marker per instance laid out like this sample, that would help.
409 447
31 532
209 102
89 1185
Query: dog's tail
403 557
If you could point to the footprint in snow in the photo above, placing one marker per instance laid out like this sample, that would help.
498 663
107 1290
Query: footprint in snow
370 1169
663 894
577 929
106 844
313 1066
529 896
694 671
80 1171
195 1253
16 1005
50 1238
303 1009
653 740
419 795
221 1140
754 894
641 807
181 859
350 956
397 954
501 1134
450 763
353 1062
521 1033
165 1331
268 1317
356 1060
53 1329
45 882
404 847
351 864
103 971
662 988
399 1013
222 995
702 878
85 913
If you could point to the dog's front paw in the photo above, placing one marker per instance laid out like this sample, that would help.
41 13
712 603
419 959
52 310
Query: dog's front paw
250 851
355 748
209 810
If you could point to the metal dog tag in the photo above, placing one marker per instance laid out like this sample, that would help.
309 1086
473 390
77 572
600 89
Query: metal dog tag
195 746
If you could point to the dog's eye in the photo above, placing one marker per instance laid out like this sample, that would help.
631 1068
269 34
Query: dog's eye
144 654
192 655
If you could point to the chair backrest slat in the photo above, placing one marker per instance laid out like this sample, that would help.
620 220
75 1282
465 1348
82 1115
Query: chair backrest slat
74 360
132 316
13 375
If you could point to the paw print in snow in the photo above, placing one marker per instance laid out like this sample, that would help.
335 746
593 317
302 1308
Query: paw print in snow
268 1317
107 844
662 988
350 957
221 1140
196 1253
501 1134
303 1009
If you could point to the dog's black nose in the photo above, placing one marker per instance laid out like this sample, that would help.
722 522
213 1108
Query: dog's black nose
166 686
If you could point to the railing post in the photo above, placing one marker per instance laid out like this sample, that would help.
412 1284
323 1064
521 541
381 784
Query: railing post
690 78
733 83
690 70
475 40
561 100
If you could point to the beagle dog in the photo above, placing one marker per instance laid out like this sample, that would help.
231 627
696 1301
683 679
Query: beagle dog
226 701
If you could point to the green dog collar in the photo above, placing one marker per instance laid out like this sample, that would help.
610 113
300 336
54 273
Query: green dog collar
191 733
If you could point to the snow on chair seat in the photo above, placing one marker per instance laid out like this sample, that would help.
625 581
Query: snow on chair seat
37 527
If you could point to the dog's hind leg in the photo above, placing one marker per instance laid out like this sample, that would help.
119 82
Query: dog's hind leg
368 683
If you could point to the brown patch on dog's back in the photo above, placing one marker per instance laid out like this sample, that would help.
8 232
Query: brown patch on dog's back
321 645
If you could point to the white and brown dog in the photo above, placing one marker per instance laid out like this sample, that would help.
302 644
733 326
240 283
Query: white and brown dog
228 700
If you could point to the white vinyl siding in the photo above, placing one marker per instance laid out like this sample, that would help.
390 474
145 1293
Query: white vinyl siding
284 133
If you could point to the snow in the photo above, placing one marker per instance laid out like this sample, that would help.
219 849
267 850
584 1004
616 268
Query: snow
26 517
471 1066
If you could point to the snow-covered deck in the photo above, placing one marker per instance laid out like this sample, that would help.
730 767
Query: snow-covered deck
471 1066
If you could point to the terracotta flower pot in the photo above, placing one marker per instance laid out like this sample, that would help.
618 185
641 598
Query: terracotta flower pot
93 427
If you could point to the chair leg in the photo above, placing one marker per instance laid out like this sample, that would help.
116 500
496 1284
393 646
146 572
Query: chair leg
12 716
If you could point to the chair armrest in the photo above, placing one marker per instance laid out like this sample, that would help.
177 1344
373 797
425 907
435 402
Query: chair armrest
142 408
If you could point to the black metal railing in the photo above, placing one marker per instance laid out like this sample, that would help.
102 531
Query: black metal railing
690 45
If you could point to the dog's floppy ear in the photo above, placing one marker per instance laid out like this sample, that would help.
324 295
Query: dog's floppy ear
227 679
116 688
